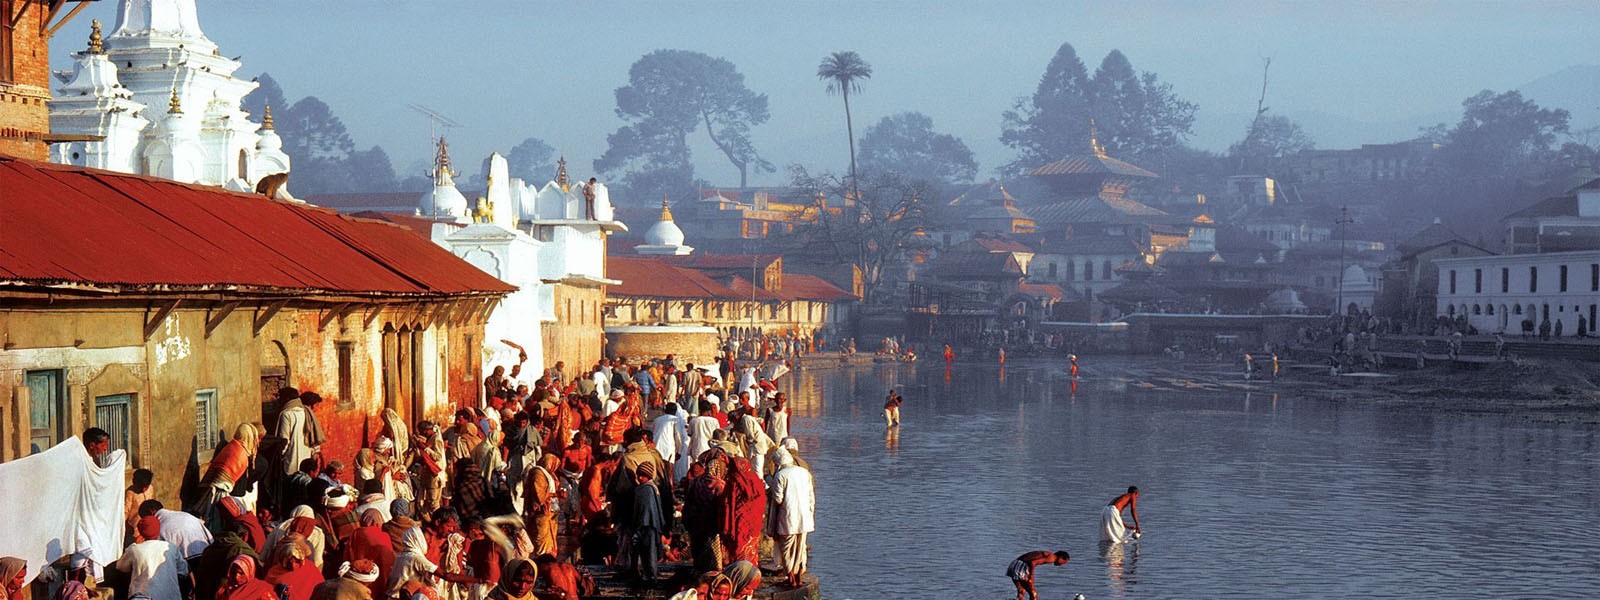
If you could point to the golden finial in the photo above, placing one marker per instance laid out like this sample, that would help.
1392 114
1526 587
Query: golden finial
266 118
95 45
561 175
666 212
1094 140
441 164
175 105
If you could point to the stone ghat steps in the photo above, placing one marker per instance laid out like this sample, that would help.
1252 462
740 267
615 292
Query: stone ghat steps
618 583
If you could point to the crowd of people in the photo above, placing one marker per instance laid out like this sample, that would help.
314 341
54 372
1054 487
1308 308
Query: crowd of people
625 464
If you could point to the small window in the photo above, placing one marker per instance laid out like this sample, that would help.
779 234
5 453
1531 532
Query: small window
1489 309
1477 281
47 408
1452 282
346 352
1072 271
688 310
1561 278
1594 277
1505 280
115 415
1533 279
205 423
1052 271
1477 309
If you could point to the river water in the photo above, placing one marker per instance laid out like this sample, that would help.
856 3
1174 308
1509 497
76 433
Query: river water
1245 494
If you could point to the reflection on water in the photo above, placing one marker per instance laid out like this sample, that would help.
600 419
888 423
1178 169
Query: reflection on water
1245 494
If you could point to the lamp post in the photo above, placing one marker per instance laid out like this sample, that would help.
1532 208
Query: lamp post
1344 219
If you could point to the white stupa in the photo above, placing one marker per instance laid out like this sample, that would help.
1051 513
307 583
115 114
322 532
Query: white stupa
664 238
1357 289
444 202
157 98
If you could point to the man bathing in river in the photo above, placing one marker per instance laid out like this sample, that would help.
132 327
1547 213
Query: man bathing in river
1111 527
1021 570
891 408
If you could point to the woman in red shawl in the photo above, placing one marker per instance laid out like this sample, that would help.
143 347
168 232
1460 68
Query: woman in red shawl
241 583
293 567
744 508
371 542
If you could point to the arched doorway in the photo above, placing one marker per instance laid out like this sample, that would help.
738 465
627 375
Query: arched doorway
274 376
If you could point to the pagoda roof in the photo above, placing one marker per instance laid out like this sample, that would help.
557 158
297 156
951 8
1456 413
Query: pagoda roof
1091 164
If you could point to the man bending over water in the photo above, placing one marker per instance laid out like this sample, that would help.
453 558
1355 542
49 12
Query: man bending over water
1111 527
1021 570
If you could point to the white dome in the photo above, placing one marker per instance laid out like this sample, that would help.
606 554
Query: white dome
443 201
664 233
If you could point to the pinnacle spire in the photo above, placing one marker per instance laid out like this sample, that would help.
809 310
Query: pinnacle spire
175 105
666 212
442 173
561 175
95 45
266 118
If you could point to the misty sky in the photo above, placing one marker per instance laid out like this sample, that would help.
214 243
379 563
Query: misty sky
510 70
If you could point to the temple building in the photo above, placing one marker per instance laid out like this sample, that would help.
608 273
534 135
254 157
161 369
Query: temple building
670 301
25 30
158 98
189 307
547 240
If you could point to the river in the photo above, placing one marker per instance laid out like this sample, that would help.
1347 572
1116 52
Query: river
1245 494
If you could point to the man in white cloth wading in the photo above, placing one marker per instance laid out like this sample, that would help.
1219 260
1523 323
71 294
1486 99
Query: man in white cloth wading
1111 527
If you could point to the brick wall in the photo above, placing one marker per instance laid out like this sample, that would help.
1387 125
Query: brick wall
690 344
24 108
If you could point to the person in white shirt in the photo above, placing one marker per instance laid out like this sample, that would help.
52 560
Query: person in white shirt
791 515
671 436
184 531
154 566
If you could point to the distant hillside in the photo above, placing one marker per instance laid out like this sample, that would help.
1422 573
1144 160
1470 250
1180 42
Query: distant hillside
1575 88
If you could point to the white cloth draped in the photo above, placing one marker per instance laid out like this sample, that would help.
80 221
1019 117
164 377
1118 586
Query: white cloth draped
57 503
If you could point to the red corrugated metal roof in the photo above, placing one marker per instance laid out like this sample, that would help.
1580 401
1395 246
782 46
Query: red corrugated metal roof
71 225
746 290
810 287
655 278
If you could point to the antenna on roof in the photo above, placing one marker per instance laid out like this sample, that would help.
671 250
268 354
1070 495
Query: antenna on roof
435 121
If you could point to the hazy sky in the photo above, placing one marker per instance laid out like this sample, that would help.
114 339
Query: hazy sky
510 70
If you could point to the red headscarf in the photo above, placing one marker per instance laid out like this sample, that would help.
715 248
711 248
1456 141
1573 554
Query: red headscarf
149 527
251 588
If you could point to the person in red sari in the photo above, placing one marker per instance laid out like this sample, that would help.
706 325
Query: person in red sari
372 543
241 583
235 513
294 569
744 509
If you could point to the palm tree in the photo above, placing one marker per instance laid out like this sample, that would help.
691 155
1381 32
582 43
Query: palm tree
843 71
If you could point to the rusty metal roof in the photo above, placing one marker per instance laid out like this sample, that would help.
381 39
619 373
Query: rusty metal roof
72 226
1091 164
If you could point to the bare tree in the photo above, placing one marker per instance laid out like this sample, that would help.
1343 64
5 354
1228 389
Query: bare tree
869 232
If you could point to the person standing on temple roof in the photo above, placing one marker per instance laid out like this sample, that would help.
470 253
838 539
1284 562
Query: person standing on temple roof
1022 569
299 426
589 193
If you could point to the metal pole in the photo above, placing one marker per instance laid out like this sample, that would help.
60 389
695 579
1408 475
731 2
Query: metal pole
1344 218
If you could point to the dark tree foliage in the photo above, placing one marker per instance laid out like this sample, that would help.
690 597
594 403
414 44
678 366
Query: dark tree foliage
268 93
843 73
323 157
872 231
1500 135
370 171
532 161
670 95
907 144
1270 139
1137 115
1054 122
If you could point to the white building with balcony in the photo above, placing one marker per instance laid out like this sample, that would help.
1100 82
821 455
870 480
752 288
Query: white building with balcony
1513 293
